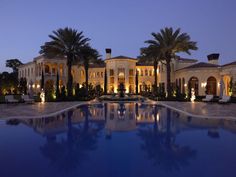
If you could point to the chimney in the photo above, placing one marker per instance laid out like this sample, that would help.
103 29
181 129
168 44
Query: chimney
213 58
108 53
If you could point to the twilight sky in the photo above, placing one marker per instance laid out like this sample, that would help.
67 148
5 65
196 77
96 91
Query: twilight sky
122 25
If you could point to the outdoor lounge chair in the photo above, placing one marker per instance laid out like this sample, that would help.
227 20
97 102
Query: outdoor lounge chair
10 99
27 99
208 98
224 99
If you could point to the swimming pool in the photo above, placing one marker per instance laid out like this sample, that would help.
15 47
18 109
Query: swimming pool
118 140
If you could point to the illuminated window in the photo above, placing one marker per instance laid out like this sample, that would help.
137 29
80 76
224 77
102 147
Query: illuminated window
131 72
47 70
112 80
146 72
81 72
54 70
121 71
150 72
131 80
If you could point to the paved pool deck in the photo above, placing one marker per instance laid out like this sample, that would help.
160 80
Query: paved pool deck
21 110
204 110
196 109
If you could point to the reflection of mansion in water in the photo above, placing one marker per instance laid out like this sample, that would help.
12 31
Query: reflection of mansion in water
116 117
185 73
126 117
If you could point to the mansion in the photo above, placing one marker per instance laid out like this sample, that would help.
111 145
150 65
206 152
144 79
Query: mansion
185 73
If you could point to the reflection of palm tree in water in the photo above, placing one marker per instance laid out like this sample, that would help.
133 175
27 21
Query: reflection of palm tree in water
68 152
161 148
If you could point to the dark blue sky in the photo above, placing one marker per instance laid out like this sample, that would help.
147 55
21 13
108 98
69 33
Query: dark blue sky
122 25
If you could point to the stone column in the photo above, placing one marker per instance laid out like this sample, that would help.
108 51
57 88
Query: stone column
127 78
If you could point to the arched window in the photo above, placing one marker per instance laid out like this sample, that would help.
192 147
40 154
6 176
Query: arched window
211 86
193 84
150 72
146 72
47 69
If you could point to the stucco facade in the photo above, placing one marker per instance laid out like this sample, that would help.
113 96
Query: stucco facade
204 77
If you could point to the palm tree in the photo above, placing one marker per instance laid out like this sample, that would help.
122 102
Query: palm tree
88 56
170 42
151 54
66 43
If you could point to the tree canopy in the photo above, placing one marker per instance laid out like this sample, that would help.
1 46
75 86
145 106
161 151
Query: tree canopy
14 64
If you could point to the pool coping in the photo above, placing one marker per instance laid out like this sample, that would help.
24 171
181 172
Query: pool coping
95 102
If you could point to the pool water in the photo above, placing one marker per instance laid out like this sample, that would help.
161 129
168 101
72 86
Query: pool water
118 140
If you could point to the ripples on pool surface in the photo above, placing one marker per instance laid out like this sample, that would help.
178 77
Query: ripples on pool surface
118 140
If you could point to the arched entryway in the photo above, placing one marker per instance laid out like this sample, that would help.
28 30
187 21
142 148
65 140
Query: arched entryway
193 83
211 86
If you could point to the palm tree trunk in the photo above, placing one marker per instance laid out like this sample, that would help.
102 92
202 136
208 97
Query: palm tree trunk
168 80
57 87
136 82
70 80
105 82
86 79
155 73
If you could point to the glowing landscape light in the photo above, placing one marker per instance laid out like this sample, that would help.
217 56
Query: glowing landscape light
42 96
193 97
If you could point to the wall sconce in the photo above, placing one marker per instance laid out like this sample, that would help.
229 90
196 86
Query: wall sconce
203 84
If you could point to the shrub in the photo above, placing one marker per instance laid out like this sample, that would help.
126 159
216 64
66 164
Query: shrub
98 90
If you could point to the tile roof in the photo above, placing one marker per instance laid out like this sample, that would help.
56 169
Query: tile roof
200 65
143 64
228 64
121 57
101 65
